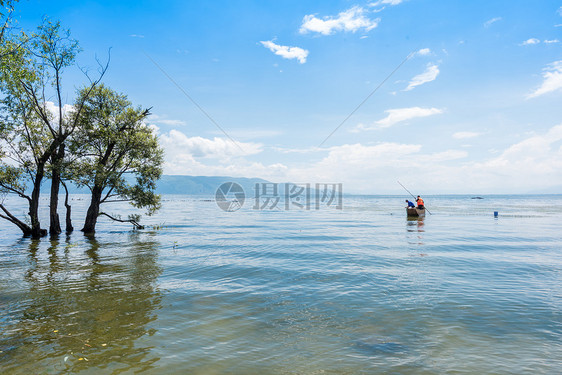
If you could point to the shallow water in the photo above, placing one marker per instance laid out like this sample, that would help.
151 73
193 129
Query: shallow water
361 290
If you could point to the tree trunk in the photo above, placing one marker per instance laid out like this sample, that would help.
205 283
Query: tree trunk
93 211
36 230
26 229
54 227
69 227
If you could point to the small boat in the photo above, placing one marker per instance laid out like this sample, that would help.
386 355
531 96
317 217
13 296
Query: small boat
415 212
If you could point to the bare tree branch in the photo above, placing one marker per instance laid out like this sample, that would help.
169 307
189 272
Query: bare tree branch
134 222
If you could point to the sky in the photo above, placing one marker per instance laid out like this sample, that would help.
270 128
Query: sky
457 97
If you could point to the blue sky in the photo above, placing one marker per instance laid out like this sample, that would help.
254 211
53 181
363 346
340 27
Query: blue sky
475 109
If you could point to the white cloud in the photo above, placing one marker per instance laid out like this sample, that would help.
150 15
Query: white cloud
423 52
385 2
171 122
375 168
559 11
358 153
444 156
287 52
395 116
188 165
429 75
136 36
540 156
351 20
214 157
308 150
491 21
372 168
178 144
162 120
465 135
53 110
552 75
530 41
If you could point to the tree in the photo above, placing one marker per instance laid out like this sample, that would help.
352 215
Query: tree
26 145
6 11
118 155
34 135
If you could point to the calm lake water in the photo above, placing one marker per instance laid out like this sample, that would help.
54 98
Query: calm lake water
357 291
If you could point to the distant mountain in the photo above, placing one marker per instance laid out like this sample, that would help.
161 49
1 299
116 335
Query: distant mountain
202 185
171 184
191 185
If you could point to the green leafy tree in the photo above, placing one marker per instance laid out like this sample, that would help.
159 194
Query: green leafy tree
34 137
119 157
26 144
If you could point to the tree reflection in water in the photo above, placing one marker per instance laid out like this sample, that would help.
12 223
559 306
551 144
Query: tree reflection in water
79 310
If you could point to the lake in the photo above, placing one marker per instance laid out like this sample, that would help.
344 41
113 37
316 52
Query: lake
362 290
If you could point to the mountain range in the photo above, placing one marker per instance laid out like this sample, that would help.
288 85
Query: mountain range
173 184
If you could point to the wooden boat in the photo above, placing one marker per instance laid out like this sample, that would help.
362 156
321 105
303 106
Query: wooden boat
415 212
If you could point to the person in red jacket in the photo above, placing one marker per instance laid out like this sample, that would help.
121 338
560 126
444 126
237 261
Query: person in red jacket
419 201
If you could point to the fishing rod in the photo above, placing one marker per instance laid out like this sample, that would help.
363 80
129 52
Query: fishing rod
413 196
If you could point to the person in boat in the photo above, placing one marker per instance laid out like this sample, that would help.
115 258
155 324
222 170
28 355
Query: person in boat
410 204
420 203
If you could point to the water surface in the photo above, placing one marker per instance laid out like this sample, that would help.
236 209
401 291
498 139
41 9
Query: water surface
361 290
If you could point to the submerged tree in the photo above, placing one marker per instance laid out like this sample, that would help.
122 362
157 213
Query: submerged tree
34 135
119 158
26 143
24 156
56 51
